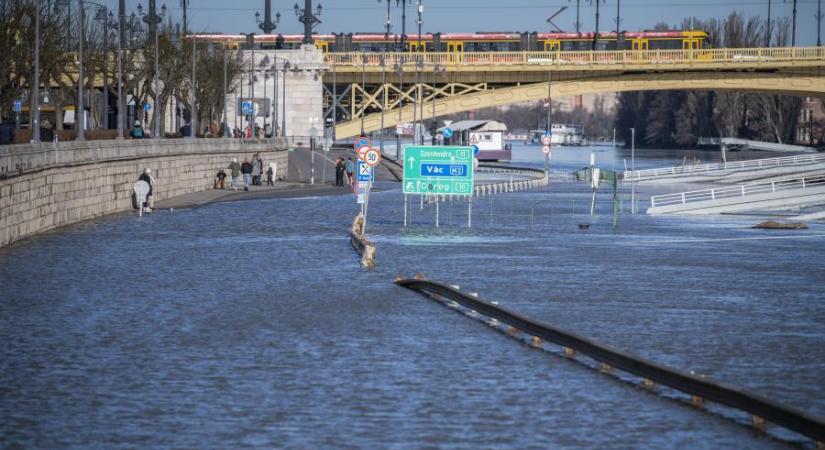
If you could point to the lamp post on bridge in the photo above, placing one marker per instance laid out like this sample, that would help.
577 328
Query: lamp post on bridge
250 40
403 4
267 25
310 20
153 20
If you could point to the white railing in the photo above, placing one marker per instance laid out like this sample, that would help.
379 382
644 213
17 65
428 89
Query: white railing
638 175
744 56
742 190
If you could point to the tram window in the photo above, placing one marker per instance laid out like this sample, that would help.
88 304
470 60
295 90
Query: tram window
665 44
572 46
605 45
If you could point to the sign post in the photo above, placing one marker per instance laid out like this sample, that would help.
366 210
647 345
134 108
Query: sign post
18 106
439 171
546 142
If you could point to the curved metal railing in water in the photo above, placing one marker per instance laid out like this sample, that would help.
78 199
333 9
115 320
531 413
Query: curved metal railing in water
731 396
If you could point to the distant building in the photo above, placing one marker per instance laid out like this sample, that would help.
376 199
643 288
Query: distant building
811 126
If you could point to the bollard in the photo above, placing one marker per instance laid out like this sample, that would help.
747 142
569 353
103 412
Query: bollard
758 423
648 384
536 341
697 401
605 368
493 322
569 352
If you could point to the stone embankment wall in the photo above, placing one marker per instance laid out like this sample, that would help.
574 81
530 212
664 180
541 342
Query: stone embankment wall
50 185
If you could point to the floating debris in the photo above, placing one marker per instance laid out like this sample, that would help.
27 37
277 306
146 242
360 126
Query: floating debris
774 225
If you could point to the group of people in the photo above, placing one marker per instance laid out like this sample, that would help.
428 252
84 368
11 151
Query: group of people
250 170
8 132
342 167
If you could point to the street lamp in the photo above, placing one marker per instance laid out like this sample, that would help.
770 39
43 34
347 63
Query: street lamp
250 40
267 25
264 65
286 67
153 20
103 16
310 21
403 4
438 71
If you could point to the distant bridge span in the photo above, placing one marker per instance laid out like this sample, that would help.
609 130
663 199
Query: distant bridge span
463 82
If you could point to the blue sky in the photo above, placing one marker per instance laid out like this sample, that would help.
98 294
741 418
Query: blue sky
480 15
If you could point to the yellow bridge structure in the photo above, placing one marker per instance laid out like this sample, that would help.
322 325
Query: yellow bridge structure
359 86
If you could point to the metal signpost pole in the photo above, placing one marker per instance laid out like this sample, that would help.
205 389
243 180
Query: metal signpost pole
120 37
225 130
383 98
79 123
193 131
35 88
633 170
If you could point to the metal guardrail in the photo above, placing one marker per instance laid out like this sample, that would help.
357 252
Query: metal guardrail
764 163
760 407
742 190
743 56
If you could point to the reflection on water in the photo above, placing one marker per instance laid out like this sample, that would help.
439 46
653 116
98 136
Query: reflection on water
249 324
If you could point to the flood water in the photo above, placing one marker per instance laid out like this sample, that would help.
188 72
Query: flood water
250 324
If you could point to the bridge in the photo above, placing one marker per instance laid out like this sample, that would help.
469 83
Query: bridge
363 85
780 194
704 172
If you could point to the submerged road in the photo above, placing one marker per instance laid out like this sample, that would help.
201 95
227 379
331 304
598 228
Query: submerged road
250 324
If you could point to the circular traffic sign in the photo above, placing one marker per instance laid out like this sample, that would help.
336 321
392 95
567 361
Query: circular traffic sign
362 151
372 157
545 140
475 150
447 133
546 149
361 143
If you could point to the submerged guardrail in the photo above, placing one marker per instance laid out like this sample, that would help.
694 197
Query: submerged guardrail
761 408
702 169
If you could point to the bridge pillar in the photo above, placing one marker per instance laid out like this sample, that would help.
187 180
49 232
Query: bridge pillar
303 101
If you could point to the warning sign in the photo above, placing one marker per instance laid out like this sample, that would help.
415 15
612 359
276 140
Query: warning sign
487 140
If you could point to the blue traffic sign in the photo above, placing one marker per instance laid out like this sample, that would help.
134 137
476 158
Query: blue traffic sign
247 107
361 142
443 170
475 149
447 133
18 106
147 107
365 172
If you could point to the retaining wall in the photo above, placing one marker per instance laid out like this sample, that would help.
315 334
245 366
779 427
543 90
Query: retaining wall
50 185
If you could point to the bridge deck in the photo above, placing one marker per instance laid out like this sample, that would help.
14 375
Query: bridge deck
720 168
735 58
744 197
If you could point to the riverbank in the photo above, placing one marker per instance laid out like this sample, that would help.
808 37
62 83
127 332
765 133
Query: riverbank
282 189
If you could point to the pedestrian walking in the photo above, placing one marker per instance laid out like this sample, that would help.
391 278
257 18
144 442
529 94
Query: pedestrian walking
235 169
246 170
256 171
339 172
269 174
350 170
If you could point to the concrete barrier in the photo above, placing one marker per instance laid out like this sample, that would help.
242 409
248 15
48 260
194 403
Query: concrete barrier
56 185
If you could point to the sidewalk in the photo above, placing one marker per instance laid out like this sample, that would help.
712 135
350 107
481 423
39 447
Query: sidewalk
282 189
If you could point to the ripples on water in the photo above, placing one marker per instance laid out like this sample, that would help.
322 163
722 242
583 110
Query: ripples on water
249 324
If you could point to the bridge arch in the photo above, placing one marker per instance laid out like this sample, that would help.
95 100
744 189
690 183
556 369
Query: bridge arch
778 83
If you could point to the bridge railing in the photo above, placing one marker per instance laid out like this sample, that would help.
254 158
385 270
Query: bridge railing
742 190
638 175
745 56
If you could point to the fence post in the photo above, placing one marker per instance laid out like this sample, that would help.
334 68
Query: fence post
742 186
683 198
773 186
712 194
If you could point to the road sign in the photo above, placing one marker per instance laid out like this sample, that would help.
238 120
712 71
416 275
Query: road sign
247 108
447 133
361 192
362 153
475 149
546 149
438 170
18 106
372 157
361 143
546 140
365 172
147 107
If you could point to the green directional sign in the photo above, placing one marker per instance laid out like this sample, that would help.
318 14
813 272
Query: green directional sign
438 170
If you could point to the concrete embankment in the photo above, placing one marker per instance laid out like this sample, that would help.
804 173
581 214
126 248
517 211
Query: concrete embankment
50 185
